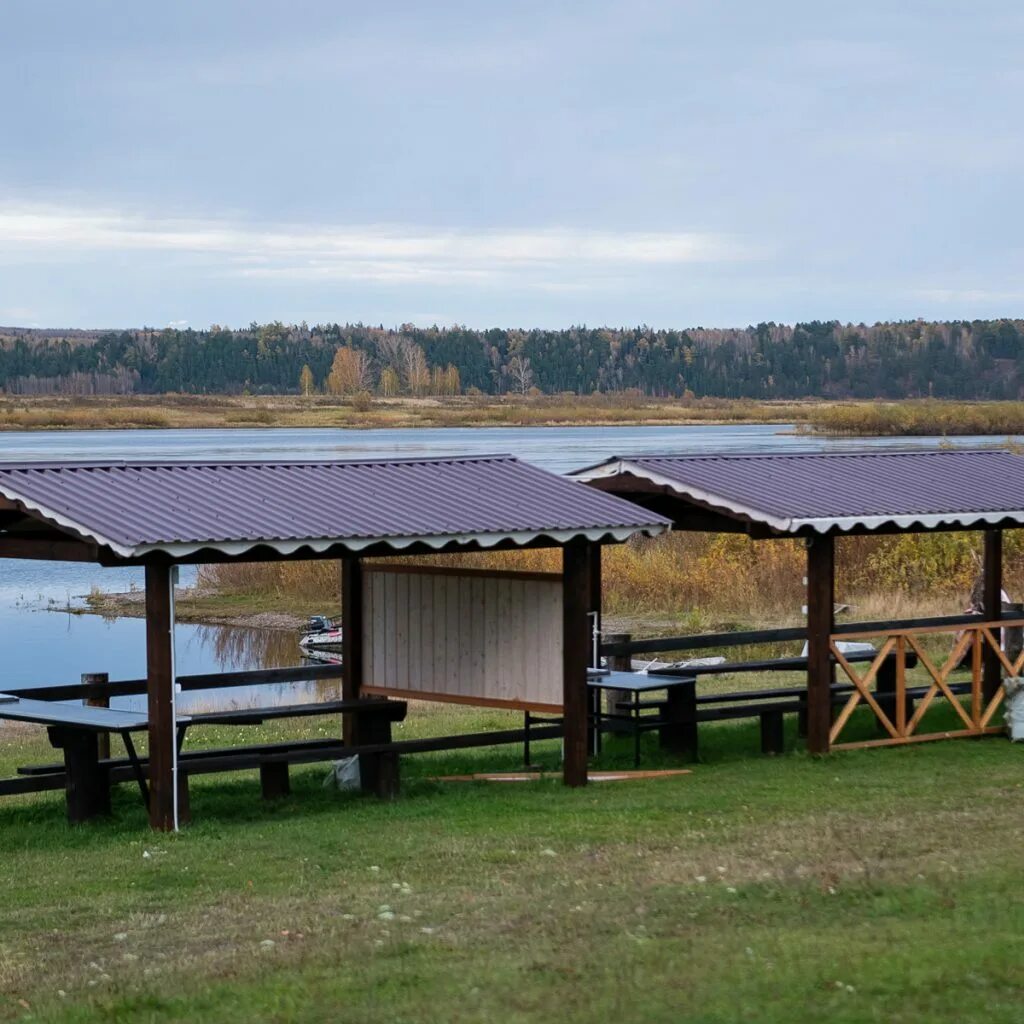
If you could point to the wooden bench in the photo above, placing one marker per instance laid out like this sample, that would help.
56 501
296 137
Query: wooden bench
771 706
87 778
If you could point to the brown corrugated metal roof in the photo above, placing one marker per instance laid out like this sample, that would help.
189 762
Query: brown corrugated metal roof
179 508
838 490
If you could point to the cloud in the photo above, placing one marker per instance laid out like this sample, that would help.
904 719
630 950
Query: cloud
969 296
550 257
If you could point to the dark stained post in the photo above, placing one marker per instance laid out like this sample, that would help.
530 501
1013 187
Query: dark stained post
160 689
595 601
594 701
992 609
820 606
98 679
351 641
576 595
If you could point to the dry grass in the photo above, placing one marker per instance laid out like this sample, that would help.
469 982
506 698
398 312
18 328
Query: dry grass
923 418
703 581
926 417
200 411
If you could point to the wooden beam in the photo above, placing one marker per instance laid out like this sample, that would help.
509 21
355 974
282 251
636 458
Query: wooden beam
265 553
48 550
351 641
160 685
992 609
576 597
820 598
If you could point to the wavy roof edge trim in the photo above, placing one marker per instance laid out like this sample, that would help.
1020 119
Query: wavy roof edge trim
652 524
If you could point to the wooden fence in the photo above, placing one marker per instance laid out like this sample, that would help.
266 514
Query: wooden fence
971 644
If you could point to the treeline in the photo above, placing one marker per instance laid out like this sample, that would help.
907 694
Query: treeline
958 359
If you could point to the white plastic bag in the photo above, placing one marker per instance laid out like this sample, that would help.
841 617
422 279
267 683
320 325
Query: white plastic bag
344 774
1014 707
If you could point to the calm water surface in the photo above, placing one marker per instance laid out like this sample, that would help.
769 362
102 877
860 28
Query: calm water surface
42 646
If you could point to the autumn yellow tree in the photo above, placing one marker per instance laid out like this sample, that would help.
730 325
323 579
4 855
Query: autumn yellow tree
389 383
350 372
415 371
307 385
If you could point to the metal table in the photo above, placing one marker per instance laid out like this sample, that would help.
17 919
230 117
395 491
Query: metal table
680 690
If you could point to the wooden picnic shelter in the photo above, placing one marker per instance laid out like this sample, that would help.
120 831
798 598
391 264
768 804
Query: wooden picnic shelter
820 498
160 515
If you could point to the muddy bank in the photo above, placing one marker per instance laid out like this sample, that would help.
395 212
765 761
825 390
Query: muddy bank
193 604
205 607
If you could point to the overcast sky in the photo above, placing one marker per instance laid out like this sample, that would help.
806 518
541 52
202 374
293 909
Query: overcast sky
516 164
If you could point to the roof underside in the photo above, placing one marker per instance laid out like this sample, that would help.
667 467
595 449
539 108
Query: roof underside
831 491
135 510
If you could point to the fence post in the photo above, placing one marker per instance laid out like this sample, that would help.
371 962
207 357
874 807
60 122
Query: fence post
99 679
1013 636
618 663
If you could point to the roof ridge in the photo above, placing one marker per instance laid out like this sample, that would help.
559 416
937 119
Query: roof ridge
77 464
847 453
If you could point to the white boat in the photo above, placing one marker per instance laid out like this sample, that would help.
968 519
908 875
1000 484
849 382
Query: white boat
321 635
324 640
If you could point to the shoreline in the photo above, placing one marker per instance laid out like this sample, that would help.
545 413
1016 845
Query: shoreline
192 605
202 608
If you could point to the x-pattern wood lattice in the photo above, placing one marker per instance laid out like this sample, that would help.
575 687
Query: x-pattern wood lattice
973 641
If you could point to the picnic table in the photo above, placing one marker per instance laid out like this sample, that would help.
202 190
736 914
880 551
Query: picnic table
75 730
673 717
670 720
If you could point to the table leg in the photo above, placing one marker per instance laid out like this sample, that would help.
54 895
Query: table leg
133 757
679 733
87 785
636 728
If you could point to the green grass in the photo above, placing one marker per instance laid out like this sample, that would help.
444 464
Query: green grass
877 885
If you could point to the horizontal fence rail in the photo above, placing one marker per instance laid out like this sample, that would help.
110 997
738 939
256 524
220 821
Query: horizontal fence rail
205 681
708 641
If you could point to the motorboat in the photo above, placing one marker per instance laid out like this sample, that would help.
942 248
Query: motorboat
321 634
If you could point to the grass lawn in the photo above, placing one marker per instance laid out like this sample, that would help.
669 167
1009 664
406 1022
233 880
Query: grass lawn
881 885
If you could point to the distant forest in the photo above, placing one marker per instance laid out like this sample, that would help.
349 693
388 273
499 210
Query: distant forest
969 360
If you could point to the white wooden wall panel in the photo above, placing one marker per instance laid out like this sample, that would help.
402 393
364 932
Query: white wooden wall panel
461 635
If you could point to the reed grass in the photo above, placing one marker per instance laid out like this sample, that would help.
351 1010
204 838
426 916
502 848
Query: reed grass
209 411
918 418
703 581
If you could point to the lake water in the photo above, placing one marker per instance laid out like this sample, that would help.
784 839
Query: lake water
42 646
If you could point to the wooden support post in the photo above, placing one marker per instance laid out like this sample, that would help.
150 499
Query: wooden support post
820 606
86 785
160 689
992 609
351 642
98 679
576 593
